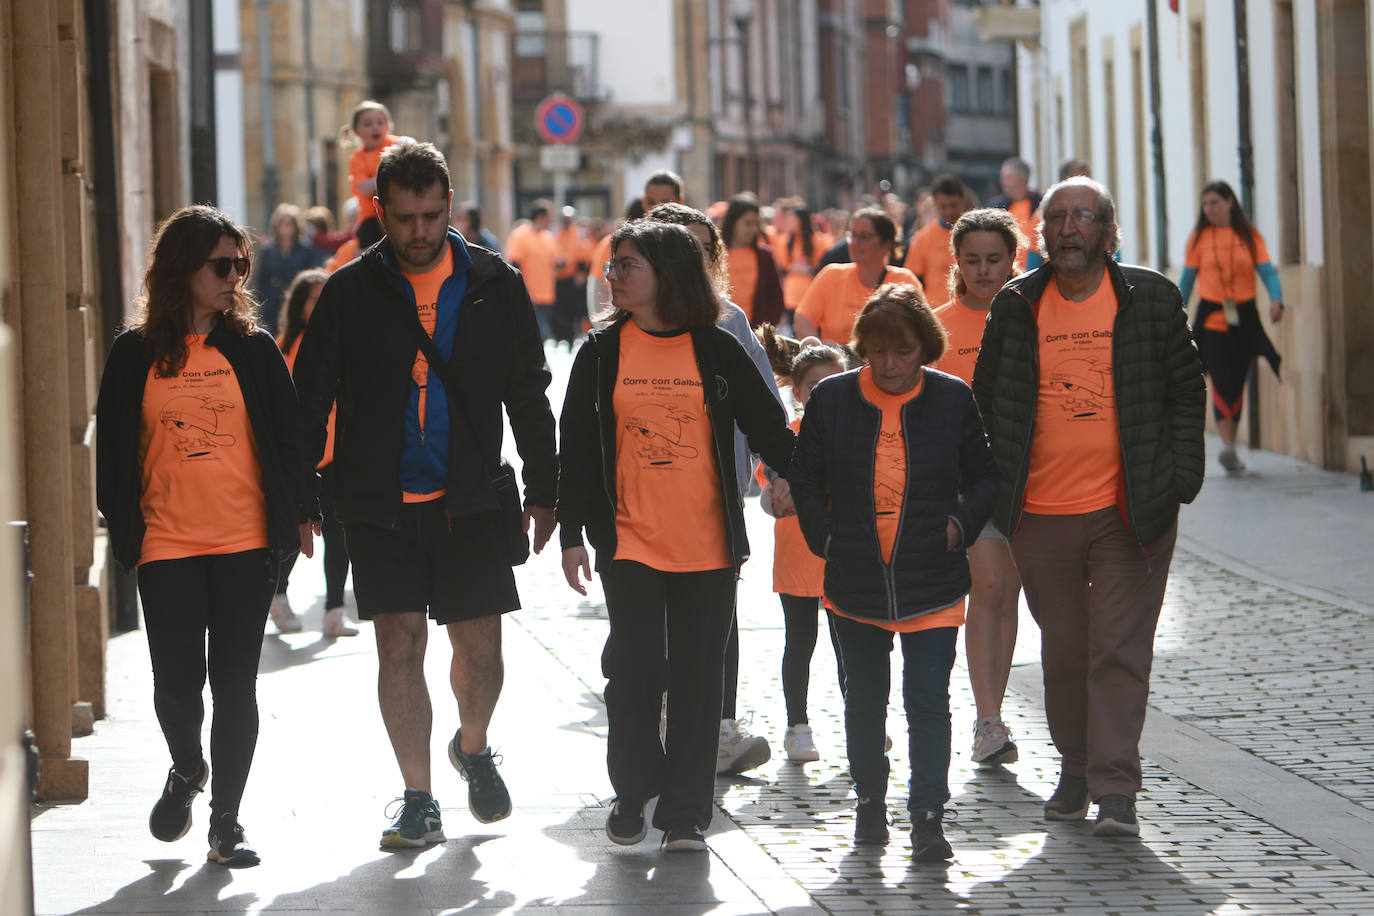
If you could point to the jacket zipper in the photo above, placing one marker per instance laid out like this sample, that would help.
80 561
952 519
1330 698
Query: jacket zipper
1023 472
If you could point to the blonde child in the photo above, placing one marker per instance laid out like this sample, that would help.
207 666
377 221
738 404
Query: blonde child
372 126
798 573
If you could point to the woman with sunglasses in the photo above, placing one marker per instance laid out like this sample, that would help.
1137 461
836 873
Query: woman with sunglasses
202 480
646 468
839 291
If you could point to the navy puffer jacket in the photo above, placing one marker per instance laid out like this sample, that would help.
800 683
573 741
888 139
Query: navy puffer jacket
950 475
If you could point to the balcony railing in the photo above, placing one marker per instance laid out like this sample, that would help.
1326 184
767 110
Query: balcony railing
548 62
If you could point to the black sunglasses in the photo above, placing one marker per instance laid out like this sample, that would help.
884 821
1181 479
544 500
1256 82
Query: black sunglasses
222 266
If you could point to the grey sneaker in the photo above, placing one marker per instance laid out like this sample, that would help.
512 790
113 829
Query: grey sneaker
1116 816
738 750
1069 801
488 799
992 744
417 824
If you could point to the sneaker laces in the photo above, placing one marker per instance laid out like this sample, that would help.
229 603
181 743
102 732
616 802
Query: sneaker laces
480 767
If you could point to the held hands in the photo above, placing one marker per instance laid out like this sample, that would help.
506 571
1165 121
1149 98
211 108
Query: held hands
309 531
544 524
575 559
782 499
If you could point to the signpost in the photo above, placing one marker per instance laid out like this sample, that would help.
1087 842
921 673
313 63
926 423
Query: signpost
558 119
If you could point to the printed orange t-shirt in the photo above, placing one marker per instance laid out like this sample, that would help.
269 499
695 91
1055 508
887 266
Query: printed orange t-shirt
670 514
929 257
1025 218
290 357
743 264
426 286
795 284
535 251
201 481
362 165
836 297
1225 268
796 570
889 492
1075 460
964 330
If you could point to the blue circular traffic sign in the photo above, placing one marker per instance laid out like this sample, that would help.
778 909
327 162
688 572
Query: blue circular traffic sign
558 119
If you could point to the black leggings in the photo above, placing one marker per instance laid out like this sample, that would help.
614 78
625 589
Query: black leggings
799 616
226 595
335 547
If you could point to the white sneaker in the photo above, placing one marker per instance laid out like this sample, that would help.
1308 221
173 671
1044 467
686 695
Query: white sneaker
1229 459
992 744
799 745
282 615
336 624
739 750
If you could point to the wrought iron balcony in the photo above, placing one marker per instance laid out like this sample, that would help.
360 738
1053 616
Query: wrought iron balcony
548 62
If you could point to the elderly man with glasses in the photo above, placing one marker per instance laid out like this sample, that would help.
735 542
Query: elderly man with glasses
1092 394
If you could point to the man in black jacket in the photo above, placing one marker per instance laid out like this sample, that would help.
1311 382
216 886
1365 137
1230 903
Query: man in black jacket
1092 394
416 445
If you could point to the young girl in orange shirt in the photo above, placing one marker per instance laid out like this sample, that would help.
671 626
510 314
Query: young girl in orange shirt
372 126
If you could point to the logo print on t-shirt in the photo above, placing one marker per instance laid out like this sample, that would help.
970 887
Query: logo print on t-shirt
887 486
656 435
194 421
1087 386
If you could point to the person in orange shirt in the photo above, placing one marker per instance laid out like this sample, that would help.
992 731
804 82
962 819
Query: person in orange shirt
839 291
201 478
1223 255
570 279
797 572
929 256
985 243
892 481
799 250
371 125
367 234
533 249
301 297
754 282
1018 198
647 469
661 187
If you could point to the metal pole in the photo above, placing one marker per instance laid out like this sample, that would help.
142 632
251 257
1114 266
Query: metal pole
311 151
269 134
1247 186
1157 140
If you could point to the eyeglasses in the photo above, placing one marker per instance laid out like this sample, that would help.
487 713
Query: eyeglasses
619 268
225 264
1082 217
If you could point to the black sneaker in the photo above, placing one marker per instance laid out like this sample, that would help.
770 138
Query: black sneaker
684 839
625 824
418 823
171 817
1069 801
228 845
1116 816
928 843
870 822
488 799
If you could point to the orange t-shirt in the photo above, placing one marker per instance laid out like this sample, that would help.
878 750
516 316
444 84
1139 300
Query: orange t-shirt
535 252
200 478
796 570
426 286
743 264
1075 460
1025 218
836 297
929 257
575 249
290 357
889 492
670 514
964 330
347 252
1225 268
362 165
790 251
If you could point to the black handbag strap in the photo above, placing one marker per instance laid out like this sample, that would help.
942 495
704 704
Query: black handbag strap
455 393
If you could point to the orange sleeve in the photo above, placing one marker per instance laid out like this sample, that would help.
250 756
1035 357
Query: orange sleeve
1261 250
1192 253
813 303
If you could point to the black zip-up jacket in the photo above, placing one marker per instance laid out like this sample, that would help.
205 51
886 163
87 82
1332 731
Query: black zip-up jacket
358 351
270 403
735 393
1157 377
949 475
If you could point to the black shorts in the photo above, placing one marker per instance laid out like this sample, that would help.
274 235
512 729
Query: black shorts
453 571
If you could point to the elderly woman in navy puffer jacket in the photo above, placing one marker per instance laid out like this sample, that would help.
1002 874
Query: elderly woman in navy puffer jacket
892 479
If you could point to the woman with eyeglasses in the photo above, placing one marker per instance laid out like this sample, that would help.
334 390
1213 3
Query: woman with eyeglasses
755 284
202 480
1223 255
839 291
646 469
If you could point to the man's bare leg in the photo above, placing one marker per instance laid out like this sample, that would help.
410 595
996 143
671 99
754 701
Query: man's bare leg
402 693
476 675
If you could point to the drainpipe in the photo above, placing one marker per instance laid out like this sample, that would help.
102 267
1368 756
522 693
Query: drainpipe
1247 184
1157 141
269 134
311 150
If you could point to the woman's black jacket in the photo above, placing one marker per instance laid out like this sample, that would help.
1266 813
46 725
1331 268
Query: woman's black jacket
735 393
270 401
950 474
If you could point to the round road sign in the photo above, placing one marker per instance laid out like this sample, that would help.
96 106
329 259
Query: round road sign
558 119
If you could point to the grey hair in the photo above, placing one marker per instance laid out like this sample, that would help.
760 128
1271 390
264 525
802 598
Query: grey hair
1106 209
1016 162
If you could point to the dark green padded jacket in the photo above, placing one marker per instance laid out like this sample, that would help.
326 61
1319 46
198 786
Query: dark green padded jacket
1160 395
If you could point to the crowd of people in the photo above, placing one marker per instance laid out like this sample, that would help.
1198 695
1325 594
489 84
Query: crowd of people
982 401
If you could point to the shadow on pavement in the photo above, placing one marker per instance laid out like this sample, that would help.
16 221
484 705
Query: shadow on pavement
204 884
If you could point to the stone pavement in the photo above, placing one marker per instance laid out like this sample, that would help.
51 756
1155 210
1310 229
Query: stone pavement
1258 796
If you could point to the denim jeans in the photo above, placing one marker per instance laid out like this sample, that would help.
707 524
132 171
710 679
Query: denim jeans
927 659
